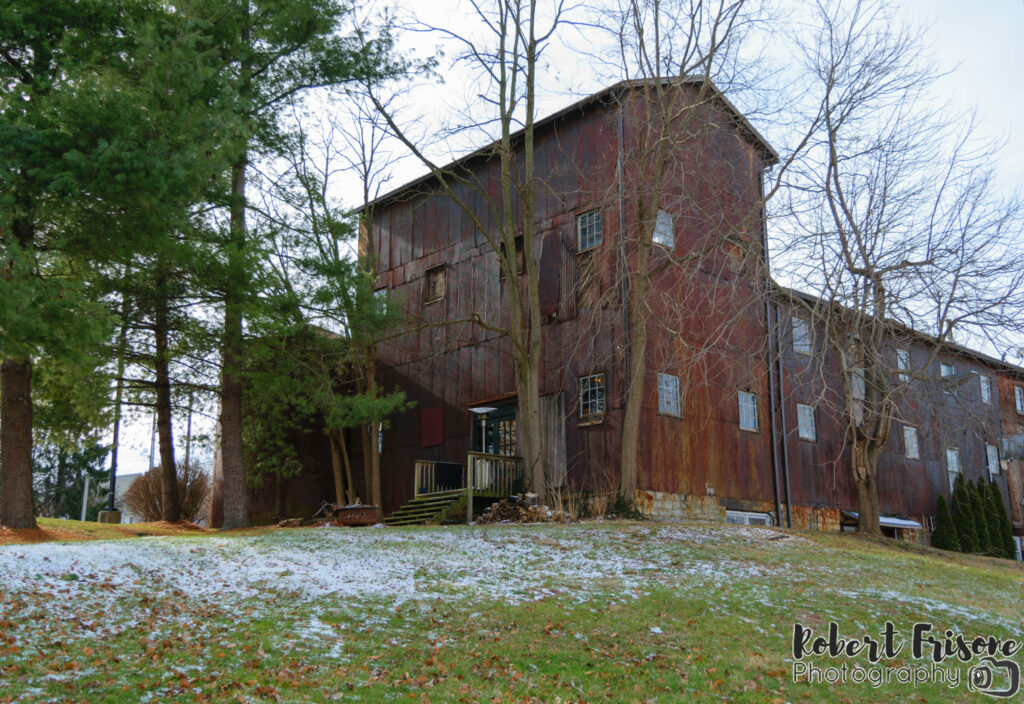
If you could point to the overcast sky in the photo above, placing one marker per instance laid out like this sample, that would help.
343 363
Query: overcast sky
980 42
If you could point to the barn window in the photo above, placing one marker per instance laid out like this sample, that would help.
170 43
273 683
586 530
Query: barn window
748 410
434 284
520 265
910 448
805 422
588 229
664 230
1018 397
801 336
952 464
668 394
986 388
992 455
947 370
903 364
592 397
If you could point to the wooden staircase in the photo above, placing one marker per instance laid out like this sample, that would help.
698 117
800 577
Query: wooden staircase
429 509
440 493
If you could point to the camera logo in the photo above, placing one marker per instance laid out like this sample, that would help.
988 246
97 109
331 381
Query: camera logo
996 678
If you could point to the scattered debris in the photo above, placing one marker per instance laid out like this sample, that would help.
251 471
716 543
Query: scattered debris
522 508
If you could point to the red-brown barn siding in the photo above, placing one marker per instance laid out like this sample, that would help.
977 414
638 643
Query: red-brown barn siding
1012 449
457 365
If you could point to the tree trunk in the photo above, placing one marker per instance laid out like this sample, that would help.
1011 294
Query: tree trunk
637 372
865 482
17 509
344 492
371 465
170 502
236 499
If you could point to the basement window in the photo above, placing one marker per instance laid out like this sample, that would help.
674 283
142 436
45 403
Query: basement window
588 229
748 518
434 284
592 398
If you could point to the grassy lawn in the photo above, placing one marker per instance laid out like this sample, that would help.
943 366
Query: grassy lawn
585 613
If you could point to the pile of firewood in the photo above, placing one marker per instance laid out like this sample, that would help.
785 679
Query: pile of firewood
521 508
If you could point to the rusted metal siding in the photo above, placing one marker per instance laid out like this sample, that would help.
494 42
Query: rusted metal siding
1012 446
458 364
819 470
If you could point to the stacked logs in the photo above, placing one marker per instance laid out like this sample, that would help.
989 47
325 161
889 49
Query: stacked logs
521 508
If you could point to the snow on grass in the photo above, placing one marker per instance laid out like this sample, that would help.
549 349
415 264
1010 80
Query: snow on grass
511 564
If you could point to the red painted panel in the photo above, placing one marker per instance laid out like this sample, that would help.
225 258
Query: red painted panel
431 426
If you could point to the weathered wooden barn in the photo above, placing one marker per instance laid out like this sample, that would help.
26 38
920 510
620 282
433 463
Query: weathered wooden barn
706 335
740 418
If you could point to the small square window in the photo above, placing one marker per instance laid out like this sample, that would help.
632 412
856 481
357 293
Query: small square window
805 422
992 455
801 336
664 230
1018 397
903 364
748 410
910 448
592 397
668 394
434 284
952 464
588 229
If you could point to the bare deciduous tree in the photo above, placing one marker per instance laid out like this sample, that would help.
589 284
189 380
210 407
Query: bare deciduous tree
895 220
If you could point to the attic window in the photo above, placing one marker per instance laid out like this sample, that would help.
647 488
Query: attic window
434 284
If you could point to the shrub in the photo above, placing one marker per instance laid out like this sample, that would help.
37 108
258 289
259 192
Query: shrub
1003 535
963 516
945 536
145 496
976 493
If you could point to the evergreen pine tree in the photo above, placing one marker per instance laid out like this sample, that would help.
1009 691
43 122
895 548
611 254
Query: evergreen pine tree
978 509
991 514
945 535
963 517
1002 521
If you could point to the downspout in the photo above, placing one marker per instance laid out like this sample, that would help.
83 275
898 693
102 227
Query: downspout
619 166
774 384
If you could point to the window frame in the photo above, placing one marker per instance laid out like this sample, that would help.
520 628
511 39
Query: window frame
953 473
806 411
804 325
752 397
993 467
440 270
910 431
985 382
665 224
591 220
678 412
1018 398
903 364
585 390
947 386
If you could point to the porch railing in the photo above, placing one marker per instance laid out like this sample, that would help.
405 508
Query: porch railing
493 476
430 477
